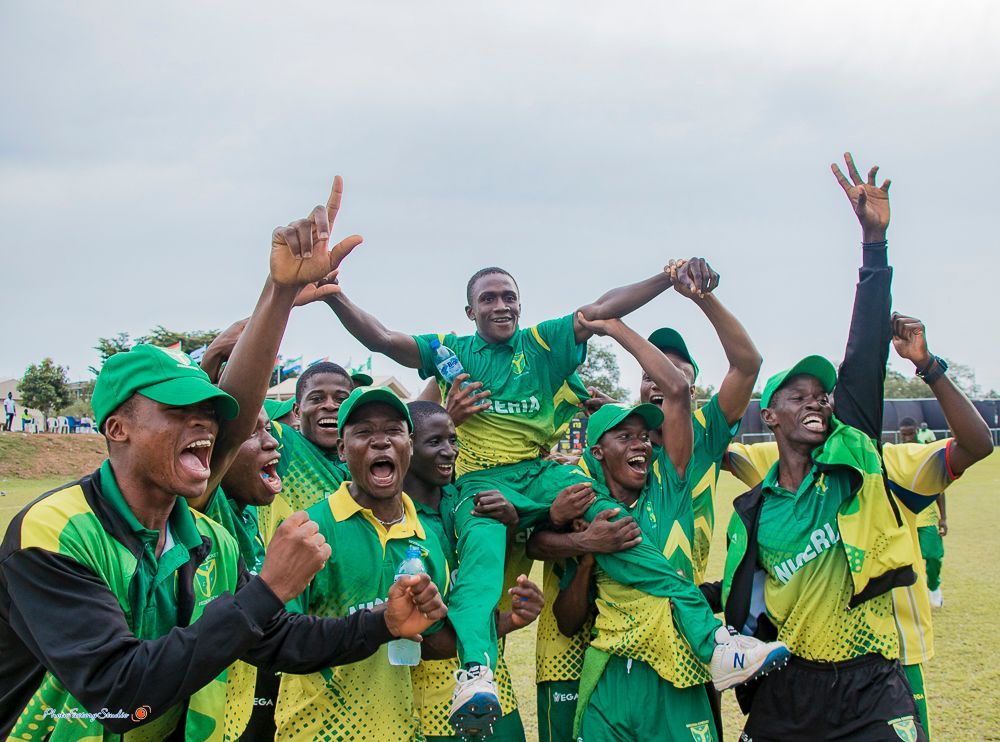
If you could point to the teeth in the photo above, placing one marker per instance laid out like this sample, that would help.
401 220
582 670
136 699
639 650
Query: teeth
637 460
272 462
201 444
327 421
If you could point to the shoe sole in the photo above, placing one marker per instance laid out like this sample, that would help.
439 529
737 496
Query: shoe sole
476 717
775 660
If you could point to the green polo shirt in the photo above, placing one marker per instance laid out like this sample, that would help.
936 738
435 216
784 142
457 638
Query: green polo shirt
525 375
370 699
712 436
809 585
240 522
308 475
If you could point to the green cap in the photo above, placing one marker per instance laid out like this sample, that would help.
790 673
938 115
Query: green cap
164 375
361 379
611 415
276 408
816 366
667 338
364 395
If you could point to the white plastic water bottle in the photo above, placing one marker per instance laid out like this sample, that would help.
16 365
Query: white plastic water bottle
447 363
405 651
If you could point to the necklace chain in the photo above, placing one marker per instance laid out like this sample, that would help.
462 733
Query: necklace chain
388 523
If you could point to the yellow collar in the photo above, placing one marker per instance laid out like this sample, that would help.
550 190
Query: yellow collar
343 506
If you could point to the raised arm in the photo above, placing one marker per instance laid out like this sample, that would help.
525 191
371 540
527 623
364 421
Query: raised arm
621 301
300 255
371 333
678 435
861 378
972 439
743 356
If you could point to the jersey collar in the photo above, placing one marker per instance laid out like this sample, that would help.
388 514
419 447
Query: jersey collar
343 506
478 342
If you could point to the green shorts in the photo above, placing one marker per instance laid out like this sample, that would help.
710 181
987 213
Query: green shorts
632 702
556 709
531 486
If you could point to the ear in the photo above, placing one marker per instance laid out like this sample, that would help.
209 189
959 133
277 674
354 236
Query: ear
341 448
469 313
116 428
768 417
597 452
295 409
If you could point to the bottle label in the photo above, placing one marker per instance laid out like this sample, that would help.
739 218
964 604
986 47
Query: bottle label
450 368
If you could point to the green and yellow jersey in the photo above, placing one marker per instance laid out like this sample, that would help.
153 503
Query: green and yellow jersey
370 699
911 467
632 623
308 475
558 657
809 587
712 435
434 680
64 525
526 377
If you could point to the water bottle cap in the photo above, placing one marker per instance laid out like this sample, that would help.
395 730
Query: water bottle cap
435 344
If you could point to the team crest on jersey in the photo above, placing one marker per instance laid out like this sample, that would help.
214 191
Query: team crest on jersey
905 728
518 364
206 576
701 731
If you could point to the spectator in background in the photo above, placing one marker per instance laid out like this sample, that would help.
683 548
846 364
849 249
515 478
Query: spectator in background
27 421
926 435
9 408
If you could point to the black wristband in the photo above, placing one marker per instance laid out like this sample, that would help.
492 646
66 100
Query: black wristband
881 245
933 370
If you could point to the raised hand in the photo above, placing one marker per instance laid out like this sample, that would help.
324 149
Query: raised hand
693 278
296 553
300 252
870 202
527 602
571 503
413 605
326 286
463 403
909 338
599 326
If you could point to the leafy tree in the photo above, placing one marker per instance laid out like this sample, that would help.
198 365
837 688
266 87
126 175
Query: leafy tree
601 370
189 341
703 393
45 387
901 386
107 347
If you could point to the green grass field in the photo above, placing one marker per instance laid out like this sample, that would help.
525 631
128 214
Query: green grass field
964 678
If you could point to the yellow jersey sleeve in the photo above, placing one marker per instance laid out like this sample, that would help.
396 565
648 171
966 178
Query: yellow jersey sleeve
924 469
750 462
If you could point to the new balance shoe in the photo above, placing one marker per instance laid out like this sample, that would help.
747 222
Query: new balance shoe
937 598
475 707
739 658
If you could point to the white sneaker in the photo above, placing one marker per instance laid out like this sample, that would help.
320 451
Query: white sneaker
475 707
739 658
937 598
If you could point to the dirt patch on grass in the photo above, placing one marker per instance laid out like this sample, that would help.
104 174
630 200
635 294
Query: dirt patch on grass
25 456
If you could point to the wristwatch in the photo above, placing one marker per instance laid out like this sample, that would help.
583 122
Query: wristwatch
933 370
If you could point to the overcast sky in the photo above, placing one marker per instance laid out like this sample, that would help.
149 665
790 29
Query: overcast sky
148 150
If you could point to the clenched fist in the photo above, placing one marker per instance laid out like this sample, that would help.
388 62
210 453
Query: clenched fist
296 553
414 604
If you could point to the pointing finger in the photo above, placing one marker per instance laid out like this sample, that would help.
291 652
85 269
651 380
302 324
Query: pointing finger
333 203
852 169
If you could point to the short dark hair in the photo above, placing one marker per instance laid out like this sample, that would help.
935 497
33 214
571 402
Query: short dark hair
907 422
324 367
485 272
421 411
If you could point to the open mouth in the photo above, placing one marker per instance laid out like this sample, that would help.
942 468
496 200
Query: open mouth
327 423
656 399
196 457
383 472
269 475
446 469
638 464
502 320
814 423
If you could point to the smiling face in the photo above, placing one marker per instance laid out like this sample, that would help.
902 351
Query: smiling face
168 448
495 308
377 448
317 410
252 479
625 452
800 412
435 448
648 391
